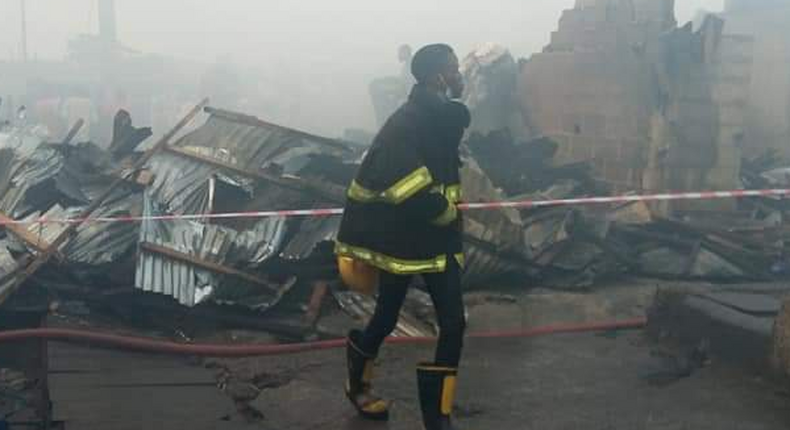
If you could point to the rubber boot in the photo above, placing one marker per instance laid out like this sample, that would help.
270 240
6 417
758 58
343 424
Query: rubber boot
358 386
437 394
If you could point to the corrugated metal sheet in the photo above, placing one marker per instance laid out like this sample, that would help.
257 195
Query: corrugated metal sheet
24 141
191 285
255 145
185 186
500 230
103 243
182 185
40 179
7 262
311 232
94 243
159 274
8 160
24 173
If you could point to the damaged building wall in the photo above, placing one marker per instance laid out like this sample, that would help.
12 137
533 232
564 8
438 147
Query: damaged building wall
685 125
768 109
652 105
593 89
732 78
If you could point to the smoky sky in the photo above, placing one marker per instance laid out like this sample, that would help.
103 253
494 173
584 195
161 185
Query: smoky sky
350 41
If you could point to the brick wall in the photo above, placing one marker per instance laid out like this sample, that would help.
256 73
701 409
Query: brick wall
650 107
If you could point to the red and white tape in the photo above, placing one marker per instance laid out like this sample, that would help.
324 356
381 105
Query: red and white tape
711 195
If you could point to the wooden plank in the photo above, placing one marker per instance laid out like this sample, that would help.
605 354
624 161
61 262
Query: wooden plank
30 239
73 131
320 290
70 231
208 265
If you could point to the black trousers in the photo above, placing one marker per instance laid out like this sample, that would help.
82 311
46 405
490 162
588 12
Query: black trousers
445 291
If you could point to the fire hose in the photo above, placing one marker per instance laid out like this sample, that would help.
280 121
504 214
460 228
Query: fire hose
150 345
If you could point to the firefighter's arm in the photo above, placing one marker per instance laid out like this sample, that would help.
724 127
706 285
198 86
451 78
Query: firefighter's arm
433 206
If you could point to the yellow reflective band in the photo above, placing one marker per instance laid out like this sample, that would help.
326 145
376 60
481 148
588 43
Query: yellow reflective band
360 193
391 264
448 395
453 193
460 258
396 194
449 215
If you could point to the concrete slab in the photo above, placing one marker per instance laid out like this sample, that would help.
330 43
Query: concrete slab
736 326
751 303
553 383
98 389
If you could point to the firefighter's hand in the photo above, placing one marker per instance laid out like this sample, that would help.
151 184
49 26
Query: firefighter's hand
448 216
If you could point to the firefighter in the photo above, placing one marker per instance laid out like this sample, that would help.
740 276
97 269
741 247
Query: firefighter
401 219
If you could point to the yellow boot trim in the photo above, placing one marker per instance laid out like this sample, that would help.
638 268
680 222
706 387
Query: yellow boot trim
366 402
375 407
448 395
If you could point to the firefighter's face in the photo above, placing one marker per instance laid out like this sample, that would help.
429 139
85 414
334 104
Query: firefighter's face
452 78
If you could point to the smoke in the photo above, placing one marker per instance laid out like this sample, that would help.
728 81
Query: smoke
314 58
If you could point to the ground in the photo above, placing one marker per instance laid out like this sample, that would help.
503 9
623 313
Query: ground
608 381
597 382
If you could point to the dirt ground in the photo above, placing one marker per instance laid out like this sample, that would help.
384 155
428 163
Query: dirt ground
605 381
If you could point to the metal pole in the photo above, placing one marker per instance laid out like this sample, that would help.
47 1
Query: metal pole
22 8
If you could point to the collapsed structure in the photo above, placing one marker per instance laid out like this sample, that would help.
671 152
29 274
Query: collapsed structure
653 105
622 100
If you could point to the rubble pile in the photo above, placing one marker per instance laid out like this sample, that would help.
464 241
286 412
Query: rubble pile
232 163
238 163
573 247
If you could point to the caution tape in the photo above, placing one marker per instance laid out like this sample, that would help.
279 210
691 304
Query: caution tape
524 204
707 195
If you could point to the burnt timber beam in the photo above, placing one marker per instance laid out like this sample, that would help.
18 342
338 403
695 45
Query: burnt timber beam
73 131
207 265
30 239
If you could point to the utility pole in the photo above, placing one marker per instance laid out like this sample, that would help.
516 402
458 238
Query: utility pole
24 29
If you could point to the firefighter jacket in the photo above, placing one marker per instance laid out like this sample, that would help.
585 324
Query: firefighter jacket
401 214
